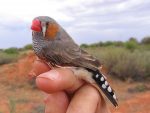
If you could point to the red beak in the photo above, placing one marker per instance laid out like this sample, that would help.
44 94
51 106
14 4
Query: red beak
36 25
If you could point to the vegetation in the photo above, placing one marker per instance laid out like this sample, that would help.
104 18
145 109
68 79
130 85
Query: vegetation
126 60
146 40
11 50
10 55
28 47
7 57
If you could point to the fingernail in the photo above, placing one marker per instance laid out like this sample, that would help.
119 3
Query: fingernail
52 75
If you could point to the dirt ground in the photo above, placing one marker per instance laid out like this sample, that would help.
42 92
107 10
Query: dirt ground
19 95
140 103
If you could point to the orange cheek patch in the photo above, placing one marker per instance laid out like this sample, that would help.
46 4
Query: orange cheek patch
52 30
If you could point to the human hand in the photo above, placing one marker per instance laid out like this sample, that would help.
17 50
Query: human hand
65 92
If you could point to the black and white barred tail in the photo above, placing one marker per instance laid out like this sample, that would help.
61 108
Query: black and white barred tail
105 87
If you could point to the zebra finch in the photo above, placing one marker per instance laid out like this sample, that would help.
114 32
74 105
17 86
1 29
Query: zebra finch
53 44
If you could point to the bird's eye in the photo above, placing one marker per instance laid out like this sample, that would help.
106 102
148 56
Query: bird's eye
36 25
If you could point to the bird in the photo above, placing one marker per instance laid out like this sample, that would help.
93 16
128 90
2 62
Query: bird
52 44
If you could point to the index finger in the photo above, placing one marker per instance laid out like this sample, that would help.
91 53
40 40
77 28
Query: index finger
58 79
38 68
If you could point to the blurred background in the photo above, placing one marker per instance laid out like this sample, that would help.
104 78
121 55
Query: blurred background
117 32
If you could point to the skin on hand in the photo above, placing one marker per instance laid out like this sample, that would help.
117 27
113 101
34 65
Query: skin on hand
66 93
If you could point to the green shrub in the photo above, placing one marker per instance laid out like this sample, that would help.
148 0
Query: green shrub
131 45
133 39
12 50
122 63
129 65
108 43
7 58
28 47
84 45
146 40
118 44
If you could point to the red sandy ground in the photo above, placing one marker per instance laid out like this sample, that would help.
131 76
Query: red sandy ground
139 104
18 96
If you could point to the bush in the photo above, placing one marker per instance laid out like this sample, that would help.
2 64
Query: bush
131 45
12 50
7 58
109 43
122 63
28 47
130 65
133 39
118 44
84 45
146 40
104 44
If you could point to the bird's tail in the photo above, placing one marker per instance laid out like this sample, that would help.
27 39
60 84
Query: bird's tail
105 87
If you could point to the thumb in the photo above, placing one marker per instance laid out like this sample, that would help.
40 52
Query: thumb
58 79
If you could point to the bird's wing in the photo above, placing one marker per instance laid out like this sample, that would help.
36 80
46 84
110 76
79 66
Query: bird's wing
67 53
70 54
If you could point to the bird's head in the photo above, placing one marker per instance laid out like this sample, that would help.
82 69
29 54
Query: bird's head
46 26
